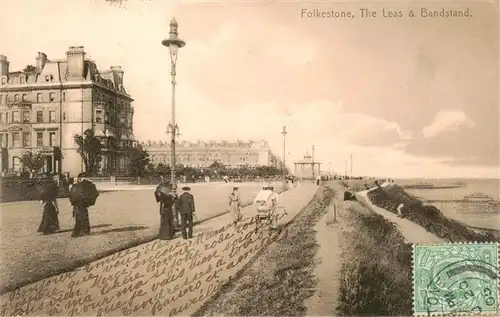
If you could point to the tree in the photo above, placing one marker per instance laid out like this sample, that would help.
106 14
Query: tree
218 169
139 160
34 161
162 169
90 150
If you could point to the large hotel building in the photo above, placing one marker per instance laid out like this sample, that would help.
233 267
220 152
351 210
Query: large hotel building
43 107
204 153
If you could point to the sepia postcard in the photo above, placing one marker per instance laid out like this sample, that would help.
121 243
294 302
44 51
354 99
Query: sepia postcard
249 158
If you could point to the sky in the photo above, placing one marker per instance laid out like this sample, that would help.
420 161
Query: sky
407 97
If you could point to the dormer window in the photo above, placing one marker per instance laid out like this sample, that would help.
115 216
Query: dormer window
22 80
4 81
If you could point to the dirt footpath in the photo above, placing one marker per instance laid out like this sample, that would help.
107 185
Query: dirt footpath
412 232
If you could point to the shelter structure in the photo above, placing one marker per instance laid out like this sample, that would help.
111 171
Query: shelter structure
307 168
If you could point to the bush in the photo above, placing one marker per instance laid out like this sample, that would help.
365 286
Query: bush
22 190
426 216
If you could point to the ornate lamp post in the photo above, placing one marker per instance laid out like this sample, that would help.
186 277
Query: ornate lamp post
173 43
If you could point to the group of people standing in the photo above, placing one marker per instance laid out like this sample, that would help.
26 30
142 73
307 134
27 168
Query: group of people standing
50 207
173 207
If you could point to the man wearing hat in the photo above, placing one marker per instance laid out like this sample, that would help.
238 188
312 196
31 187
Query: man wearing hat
186 209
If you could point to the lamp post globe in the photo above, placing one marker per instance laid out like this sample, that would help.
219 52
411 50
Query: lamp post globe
173 43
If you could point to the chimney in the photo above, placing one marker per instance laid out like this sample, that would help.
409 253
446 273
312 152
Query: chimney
40 61
4 65
75 57
118 76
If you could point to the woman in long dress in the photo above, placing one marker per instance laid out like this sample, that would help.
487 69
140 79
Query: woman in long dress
82 222
235 204
50 220
167 218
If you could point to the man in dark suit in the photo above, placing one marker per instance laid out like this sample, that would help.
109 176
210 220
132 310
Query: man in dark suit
185 206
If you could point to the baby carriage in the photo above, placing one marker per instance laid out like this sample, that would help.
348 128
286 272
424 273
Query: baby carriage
266 210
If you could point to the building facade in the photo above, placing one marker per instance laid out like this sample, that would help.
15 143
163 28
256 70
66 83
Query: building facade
205 153
43 107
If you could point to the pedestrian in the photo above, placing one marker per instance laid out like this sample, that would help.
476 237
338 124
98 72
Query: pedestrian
167 218
235 204
399 209
186 209
50 219
81 212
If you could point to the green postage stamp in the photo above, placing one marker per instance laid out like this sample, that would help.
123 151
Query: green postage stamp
456 279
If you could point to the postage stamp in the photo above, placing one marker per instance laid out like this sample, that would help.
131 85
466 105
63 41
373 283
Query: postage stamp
455 279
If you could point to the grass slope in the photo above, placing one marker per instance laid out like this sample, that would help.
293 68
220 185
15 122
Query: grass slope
376 269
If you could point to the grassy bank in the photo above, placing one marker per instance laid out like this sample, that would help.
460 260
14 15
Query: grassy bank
360 184
279 279
429 217
376 271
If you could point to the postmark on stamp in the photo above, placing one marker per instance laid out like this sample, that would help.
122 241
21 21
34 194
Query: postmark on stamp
455 279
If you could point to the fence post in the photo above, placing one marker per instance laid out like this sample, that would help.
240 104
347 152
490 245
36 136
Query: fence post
334 212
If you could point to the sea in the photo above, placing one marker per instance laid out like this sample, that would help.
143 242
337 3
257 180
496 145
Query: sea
476 214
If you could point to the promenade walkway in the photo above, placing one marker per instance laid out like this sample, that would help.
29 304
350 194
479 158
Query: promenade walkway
119 220
160 277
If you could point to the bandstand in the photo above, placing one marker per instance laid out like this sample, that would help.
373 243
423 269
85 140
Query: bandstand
307 168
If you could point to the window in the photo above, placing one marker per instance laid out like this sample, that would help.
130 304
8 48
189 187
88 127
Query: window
98 116
122 120
64 116
15 116
15 139
52 139
2 118
52 97
16 163
2 141
39 139
6 117
24 97
1 99
26 116
52 116
38 97
122 163
16 98
4 81
21 79
26 139
39 116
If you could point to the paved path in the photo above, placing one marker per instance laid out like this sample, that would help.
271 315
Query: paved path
119 220
412 232
158 278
